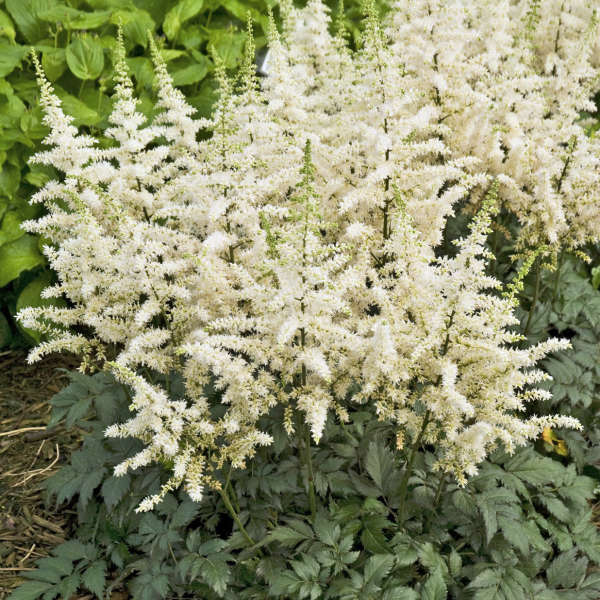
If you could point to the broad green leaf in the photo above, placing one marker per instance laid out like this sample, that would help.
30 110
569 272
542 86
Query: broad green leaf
7 28
85 57
10 230
10 57
185 514
25 13
136 24
114 489
9 180
18 256
54 62
82 114
190 74
183 11
229 46
72 18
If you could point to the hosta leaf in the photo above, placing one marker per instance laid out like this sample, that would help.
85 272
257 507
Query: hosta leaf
18 256
54 62
10 57
190 74
25 14
85 57
6 27
183 11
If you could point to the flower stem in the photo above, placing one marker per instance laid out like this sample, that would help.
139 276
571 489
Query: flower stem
236 517
535 298
409 467
312 498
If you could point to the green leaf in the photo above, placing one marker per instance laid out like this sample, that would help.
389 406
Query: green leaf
372 536
85 57
215 572
379 464
54 62
72 18
434 588
25 14
566 571
114 489
7 28
190 74
31 296
286 536
10 57
183 11
18 256
136 24
186 512
5 331
94 578
229 46
377 568
10 230
30 590
78 110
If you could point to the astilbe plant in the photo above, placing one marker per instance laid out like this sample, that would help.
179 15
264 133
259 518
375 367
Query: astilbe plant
288 257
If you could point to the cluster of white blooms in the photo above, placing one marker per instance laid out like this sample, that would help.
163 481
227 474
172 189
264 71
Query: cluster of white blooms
290 256
509 80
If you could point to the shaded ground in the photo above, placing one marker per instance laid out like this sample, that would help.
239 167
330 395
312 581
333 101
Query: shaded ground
28 454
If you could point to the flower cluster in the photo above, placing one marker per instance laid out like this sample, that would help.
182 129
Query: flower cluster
291 255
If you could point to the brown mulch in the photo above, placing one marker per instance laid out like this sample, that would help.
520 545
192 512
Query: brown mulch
28 455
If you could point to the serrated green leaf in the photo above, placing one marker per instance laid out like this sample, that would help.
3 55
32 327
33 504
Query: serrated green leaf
434 588
566 570
379 463
377 568
30 590
215 571
94 578
114 489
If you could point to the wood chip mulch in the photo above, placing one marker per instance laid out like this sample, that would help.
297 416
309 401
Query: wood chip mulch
28 455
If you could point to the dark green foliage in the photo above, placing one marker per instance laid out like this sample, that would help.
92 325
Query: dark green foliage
521 528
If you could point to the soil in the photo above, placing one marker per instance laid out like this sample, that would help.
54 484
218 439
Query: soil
29 528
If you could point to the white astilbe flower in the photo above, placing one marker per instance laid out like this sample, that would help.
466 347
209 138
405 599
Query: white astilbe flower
291 254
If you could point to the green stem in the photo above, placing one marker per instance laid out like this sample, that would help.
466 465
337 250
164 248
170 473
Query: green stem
438 493
409 467
536 294
312 498
557 275
235 517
